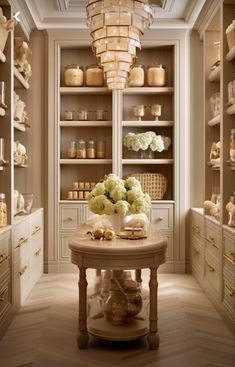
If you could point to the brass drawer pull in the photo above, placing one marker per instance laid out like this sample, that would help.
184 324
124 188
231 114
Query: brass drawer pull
2 294
230 256
23 270
159 219
70 219
211 241
3 258
196 250
37 253
36 230
21 242
211 269
230 290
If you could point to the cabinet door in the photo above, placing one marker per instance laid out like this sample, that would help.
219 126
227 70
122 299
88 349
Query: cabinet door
21 240
161 216
213 239
169 236
64 252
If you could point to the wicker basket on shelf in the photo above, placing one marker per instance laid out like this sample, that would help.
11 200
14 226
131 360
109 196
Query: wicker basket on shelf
155 184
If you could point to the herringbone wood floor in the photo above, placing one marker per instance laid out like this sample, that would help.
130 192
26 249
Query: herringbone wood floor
43 333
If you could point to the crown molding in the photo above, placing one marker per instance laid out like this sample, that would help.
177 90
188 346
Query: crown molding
193 11
208 12
26 20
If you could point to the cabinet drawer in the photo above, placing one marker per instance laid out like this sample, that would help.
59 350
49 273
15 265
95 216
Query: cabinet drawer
212 272
68 218
197 255
197 225
229 253
21 240
4 253
169 237
36 259
162 216
36 224
5 296
212 240
229 295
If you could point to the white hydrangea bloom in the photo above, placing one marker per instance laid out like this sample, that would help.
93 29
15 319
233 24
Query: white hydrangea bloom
133 194
122 207
166 141
157 144
118 193
109 208
131 182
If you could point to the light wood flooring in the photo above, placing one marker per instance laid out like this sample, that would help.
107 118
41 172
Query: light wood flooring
43 333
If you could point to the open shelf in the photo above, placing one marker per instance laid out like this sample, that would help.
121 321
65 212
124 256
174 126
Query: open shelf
74 123
214 75
148 161
231 110
215 121
231 54
2 57
2 111
148 123
149 90
20 127
85 161
20 165
84 90
20 78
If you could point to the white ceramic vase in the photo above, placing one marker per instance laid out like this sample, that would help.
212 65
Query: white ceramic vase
119 222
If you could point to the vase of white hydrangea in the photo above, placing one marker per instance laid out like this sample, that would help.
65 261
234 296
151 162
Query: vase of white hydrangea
147 154
118 199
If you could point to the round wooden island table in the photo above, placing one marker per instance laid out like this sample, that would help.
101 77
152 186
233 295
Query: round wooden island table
119 254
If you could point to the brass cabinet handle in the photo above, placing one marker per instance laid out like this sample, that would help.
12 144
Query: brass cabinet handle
70 219
159 219
230 256
21 242
2 294
3 258
211 241
36 229
37 253
230 290
196 250
23 270
211 269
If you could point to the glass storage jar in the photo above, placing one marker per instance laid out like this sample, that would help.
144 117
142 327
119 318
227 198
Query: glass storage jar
83 115
73 75
81 150
94 76
68 115
72 149
90 150
156 75
136 78
232 145
101 115
100 149
28 202
3 210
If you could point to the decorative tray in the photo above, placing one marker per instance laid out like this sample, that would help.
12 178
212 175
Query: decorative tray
132 233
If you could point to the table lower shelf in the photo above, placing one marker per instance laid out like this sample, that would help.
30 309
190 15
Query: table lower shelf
133 328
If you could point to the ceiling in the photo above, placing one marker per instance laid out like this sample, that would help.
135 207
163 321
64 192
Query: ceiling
46 14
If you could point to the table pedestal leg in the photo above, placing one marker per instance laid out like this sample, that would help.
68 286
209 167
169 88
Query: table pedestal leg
153 338
82 317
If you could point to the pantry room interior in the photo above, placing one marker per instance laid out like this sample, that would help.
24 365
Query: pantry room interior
117 183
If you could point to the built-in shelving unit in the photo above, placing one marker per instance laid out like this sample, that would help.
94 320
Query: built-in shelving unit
149 90
155 123
147 161
84 90
85 161
85 123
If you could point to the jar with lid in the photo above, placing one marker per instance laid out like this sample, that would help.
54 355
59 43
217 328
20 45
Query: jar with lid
156 75
68 115
72 149
3 210
81 149
94 76
232 146
101 115
136 78
90 150
73 75
83 115
100 149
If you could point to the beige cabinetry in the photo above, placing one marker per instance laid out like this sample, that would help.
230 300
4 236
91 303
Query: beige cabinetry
213 262
6 304
27 254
